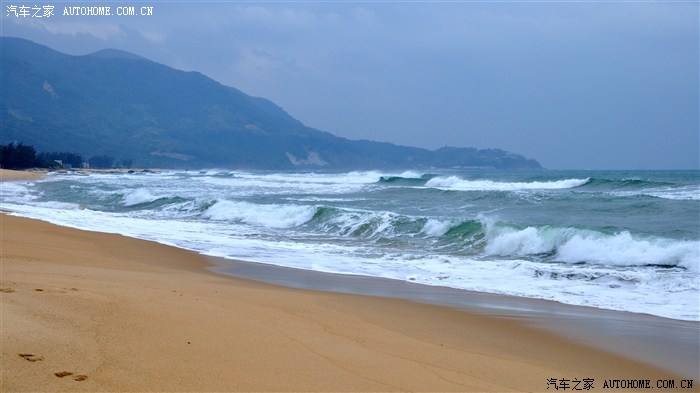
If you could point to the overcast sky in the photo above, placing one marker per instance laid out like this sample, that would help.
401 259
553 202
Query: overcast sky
589 85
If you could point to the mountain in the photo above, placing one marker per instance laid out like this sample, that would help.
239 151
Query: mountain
122 105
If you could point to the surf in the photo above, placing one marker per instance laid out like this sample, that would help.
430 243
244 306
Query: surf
596 238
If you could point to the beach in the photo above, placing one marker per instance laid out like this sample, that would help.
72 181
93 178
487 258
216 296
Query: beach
88 311
9 174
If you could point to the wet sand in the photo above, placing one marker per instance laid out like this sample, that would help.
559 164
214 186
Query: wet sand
666 343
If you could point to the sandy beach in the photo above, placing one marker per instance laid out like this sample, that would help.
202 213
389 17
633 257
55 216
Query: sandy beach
85 311
9 175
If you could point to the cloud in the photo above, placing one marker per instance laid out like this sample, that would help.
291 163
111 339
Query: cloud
552 80
103 31
259 64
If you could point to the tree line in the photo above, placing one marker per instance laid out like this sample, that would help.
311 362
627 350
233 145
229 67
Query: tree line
21 156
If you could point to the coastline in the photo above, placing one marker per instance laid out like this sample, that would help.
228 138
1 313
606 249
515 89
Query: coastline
670 344
133 315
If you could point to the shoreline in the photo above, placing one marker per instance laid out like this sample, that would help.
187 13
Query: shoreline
634 335
134 315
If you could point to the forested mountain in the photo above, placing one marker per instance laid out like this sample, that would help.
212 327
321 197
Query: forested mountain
114 103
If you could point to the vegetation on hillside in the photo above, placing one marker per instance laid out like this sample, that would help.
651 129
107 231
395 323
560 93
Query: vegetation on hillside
114 104
21 156
18 156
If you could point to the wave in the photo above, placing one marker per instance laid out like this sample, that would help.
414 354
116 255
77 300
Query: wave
457 183
626 250
677 194
289 183
359 180
355 177
630 184
641 187
269 216
163 206
572 245
406 180
363 224
487 237
476 237
137 197
433 227
621 249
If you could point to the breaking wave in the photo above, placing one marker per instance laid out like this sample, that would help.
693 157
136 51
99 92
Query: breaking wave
623 241
572 245
457 183
138 196
479 236
270 216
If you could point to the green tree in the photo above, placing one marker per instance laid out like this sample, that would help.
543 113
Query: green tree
72 159
101 162
17 156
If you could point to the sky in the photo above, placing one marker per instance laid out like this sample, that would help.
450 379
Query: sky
573 84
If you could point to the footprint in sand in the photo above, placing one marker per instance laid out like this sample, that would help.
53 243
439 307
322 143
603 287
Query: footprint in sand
62 374
30 357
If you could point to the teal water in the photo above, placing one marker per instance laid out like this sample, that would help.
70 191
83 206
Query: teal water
623 240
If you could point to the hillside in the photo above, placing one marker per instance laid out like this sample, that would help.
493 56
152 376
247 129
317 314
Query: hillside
118 104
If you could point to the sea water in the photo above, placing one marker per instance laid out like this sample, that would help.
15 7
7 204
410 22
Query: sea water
609 239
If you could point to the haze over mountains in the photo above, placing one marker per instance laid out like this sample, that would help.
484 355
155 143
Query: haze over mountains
121 105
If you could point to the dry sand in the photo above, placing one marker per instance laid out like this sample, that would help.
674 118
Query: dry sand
85 311
8 174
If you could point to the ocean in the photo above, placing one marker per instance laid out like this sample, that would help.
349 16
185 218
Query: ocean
619 240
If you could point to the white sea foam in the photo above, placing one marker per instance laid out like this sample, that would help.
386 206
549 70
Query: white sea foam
137 197
682 194
528 241
16 192
270 216
411 175
436 228
242 183
624 250
313 178
360 223
457 183
574 245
